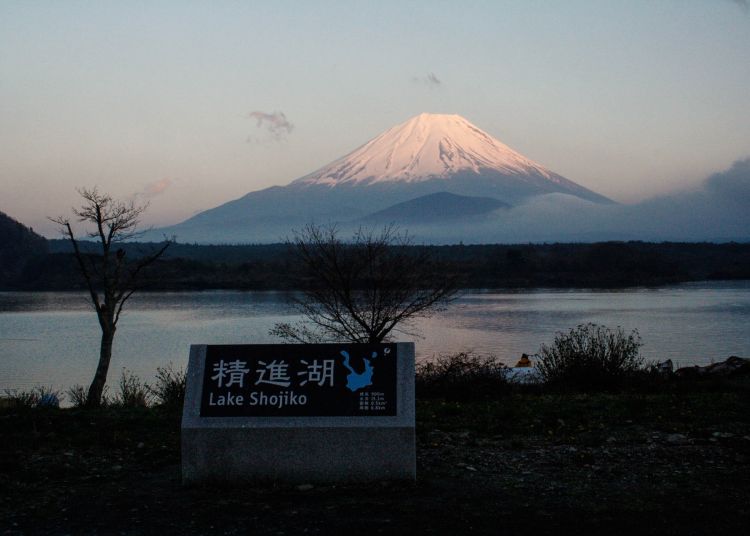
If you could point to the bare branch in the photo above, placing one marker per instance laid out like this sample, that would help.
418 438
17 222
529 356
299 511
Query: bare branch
68 231
111 277
363 289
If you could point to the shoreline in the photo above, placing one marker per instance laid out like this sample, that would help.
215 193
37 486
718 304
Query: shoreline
743 282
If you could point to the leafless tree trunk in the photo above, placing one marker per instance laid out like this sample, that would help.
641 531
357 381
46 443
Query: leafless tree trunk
111 278
362 290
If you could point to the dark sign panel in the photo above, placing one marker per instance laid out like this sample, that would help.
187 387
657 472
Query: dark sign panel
300 380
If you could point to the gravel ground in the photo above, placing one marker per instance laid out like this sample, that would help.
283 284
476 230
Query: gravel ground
117 472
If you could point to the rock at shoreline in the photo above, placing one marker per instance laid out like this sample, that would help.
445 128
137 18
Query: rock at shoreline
732 366
665 367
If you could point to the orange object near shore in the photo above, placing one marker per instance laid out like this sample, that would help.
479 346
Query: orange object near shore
524 361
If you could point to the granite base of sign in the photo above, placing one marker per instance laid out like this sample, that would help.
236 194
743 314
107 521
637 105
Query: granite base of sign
299 413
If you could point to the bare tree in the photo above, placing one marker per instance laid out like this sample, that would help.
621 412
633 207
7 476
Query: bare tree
362 290
110 276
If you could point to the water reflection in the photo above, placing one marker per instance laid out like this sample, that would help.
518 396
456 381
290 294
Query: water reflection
52 338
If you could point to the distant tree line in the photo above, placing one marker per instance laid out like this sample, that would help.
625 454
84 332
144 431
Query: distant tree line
273 267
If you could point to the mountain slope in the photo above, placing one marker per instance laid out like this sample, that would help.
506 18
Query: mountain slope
435 208
428 154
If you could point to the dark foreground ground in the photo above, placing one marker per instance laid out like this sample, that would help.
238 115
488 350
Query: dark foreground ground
526 464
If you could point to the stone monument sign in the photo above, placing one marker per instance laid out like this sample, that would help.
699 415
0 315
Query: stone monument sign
299 413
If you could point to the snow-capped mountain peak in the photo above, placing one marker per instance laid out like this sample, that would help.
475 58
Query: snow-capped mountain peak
429 171
425 147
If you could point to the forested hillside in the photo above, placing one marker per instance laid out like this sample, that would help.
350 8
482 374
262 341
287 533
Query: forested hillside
19 245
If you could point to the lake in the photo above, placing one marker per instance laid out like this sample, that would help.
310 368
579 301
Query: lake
52 338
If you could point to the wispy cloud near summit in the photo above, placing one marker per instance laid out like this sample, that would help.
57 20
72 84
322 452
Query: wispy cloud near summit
154 189
276 123
430 80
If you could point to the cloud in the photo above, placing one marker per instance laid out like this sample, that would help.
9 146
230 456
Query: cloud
715 212
733 184
430 80
276 123
744 4
154 189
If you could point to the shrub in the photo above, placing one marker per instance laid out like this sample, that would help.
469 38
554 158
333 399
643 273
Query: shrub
48 397
16 399
134 393
79 396
169 387
591 357
37 397
462 376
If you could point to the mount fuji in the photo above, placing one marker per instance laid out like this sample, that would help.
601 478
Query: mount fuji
433 169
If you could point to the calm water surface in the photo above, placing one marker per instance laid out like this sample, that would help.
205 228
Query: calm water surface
52 338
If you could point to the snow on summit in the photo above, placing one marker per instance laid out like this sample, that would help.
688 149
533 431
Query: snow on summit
425 147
